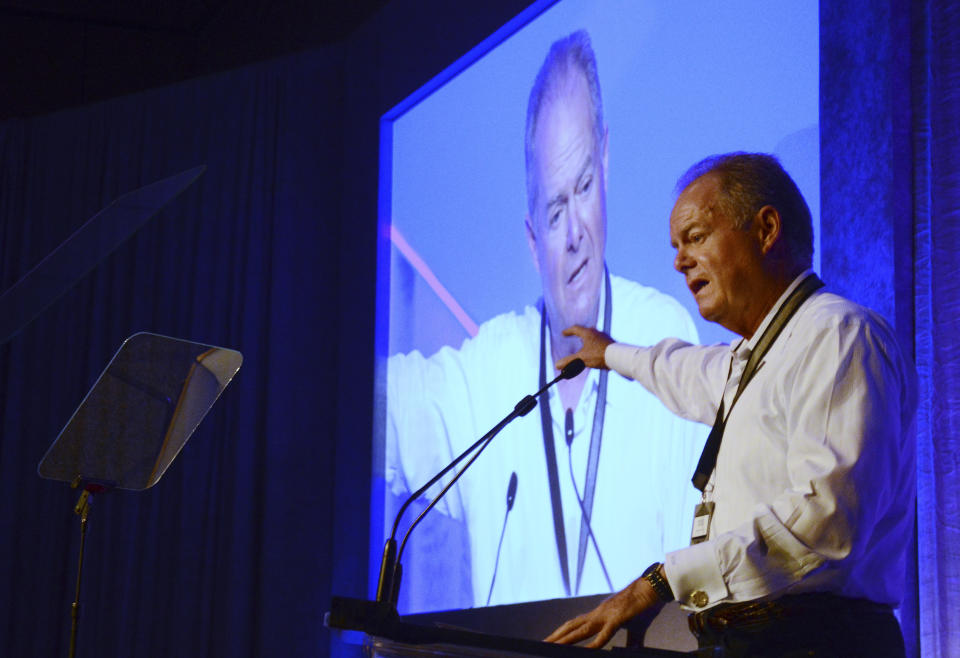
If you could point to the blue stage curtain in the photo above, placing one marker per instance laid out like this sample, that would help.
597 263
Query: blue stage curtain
936 73
230 553
890 171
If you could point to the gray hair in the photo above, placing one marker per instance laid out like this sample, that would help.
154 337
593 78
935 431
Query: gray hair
572 53
750 181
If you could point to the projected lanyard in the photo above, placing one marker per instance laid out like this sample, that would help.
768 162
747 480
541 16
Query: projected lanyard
593 458
708 458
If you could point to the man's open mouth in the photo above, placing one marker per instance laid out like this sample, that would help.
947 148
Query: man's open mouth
697 285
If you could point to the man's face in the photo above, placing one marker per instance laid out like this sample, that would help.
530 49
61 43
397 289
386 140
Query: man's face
568 230
721 263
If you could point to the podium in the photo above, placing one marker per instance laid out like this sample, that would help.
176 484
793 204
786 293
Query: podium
389 635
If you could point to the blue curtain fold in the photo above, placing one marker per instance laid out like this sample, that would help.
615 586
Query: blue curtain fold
890 172
937 243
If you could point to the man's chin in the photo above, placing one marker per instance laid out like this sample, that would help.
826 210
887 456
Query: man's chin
707 312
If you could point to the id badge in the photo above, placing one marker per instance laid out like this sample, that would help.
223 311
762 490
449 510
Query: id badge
702 515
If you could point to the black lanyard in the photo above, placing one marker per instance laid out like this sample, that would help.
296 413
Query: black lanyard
708 459
593 459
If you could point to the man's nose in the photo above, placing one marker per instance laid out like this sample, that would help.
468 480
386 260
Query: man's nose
682 261
574 226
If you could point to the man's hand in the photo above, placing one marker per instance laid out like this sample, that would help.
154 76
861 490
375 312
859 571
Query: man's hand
594 344
604 620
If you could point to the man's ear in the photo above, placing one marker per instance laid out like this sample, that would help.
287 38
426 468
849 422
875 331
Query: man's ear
768 227
532 241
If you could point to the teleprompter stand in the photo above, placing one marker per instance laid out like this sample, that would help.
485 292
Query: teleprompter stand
134 421
153 394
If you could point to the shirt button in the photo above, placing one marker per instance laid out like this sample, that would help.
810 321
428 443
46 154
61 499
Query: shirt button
699 598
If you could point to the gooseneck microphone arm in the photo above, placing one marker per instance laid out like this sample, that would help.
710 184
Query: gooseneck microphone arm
388 587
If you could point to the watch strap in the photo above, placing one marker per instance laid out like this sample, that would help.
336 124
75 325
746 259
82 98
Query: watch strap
658 582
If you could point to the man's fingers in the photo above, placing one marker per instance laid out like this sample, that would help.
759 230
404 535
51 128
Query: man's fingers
603 621
575 630
562 363
557 633
571 631
600 640
575 330
563 630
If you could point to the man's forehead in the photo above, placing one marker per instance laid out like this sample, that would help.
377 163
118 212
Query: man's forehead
567 102
566 86
562 118
697 201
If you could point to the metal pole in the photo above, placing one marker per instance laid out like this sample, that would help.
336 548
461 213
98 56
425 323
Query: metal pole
82 508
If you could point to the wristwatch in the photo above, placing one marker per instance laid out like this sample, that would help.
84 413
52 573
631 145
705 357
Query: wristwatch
658 582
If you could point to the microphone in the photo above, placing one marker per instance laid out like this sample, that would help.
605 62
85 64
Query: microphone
568 434
572 369
511 496
388 586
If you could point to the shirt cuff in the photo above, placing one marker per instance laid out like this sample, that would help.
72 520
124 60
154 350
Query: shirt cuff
694 576
620 357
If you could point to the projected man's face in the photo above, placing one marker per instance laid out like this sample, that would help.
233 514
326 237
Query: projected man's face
568 231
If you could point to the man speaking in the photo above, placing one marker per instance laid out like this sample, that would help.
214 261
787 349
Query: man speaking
594 440
808 476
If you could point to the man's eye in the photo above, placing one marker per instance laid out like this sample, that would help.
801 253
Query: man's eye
585 185
553 218
695 238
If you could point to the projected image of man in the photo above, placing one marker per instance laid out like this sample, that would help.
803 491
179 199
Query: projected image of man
566 224
595 440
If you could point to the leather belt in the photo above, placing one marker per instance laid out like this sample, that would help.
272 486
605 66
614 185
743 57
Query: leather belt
743 616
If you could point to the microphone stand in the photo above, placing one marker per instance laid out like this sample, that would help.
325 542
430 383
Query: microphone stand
391 571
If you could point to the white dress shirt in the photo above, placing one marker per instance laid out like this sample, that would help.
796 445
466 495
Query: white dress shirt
815 479
438 406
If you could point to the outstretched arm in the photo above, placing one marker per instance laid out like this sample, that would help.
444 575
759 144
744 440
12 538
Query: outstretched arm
604 620
594 345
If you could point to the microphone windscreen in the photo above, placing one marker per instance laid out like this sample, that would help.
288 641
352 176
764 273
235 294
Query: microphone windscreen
511 490
573 369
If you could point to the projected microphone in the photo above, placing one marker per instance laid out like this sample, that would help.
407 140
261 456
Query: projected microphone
568 434
511 496
391 571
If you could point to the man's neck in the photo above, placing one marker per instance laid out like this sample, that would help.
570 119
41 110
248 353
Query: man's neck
569 389
562 346
767 300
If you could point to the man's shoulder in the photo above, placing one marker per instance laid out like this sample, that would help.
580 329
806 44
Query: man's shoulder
852 326
831 310
637 293
503 344
840 325
511 324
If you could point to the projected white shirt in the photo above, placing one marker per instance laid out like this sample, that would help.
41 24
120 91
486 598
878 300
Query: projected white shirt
438 406
815 479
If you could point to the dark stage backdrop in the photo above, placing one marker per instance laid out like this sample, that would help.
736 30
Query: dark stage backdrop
230 551
264 514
